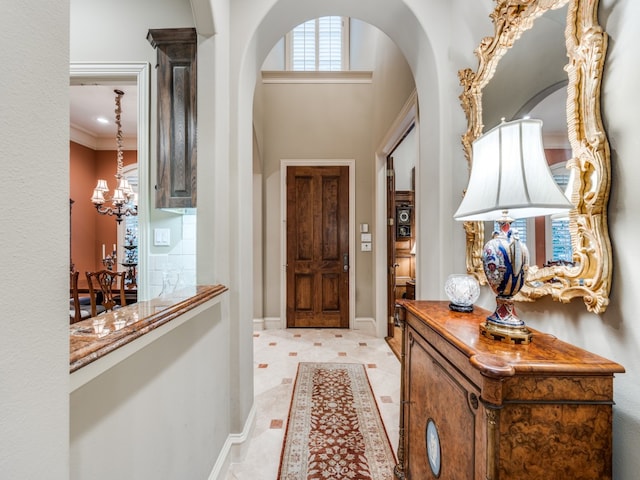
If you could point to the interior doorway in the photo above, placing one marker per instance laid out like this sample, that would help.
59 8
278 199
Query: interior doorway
341 280
318 246
135 76
401 229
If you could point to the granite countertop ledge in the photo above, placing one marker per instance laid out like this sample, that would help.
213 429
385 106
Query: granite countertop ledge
125 324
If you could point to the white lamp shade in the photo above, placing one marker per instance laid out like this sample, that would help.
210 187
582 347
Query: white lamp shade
125 187
98 197
510 172
118 197
102 185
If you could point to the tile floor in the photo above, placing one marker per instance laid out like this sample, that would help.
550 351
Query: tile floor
276 357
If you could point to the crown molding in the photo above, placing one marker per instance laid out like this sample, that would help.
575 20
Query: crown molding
87 139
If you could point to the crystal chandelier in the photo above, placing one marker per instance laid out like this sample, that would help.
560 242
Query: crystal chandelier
124 200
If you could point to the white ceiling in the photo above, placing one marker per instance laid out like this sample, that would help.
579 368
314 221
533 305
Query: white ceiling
552 111
89 102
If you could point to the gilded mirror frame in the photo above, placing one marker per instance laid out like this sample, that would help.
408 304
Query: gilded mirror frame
586 45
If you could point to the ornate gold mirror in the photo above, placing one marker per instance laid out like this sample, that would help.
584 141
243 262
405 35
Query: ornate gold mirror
513 81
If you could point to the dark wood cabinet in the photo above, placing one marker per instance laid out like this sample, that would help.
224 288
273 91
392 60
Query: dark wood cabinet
473 408
177 119
404 241
410 290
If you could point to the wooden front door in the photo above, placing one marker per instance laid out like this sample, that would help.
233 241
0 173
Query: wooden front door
318 246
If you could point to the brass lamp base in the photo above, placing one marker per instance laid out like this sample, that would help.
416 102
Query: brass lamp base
515 335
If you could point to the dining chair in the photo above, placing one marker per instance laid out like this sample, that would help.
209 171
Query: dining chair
77 309
106 289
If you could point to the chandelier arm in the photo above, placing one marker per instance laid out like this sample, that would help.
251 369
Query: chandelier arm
119 212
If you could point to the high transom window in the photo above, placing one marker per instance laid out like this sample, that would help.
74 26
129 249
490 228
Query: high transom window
320 44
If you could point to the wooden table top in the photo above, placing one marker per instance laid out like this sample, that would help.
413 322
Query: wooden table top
545 354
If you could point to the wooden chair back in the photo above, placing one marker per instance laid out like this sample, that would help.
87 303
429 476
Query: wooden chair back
75 298
110 285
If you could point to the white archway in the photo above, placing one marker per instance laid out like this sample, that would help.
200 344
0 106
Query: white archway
397 20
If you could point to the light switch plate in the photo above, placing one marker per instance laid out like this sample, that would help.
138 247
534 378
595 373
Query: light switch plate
365 246
365 237
161 237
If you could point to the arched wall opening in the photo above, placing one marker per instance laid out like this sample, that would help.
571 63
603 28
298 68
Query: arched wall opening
400 24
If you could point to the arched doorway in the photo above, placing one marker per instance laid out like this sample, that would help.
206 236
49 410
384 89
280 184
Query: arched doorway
421 67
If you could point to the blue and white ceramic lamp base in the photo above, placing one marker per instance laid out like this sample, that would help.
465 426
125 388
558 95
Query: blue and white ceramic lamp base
505 261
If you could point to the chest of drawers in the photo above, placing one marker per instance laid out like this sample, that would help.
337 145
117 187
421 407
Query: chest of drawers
474 408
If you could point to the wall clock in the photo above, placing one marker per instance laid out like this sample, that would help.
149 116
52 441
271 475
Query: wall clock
403 221
403 215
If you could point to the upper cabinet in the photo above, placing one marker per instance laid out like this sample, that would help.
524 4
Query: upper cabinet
177 119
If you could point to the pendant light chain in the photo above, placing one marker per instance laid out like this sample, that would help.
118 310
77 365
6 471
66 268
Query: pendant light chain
120 154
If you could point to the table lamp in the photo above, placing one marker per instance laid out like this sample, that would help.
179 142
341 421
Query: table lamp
510 179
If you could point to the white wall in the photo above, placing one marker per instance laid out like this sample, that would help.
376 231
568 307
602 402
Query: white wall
34 122
159 413
34 343
617 332
116 30
362 41
404 161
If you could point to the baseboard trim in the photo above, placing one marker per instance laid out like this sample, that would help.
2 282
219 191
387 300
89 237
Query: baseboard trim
234 448
367 325
273 323
258 324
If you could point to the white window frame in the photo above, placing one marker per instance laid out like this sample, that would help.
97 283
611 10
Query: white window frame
556 170
344 51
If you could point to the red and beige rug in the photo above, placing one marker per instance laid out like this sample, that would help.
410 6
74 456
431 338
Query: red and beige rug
334 430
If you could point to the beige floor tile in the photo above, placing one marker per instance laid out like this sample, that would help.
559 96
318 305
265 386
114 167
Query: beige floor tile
276 357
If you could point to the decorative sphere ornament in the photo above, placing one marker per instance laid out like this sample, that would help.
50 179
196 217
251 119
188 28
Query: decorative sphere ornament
463 290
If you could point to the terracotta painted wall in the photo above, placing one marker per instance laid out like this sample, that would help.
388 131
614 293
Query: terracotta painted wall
82 181
88 229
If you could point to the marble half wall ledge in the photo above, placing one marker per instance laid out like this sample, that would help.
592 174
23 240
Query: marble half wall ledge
126 324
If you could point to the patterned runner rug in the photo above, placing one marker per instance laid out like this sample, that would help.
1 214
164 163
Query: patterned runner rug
334 430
